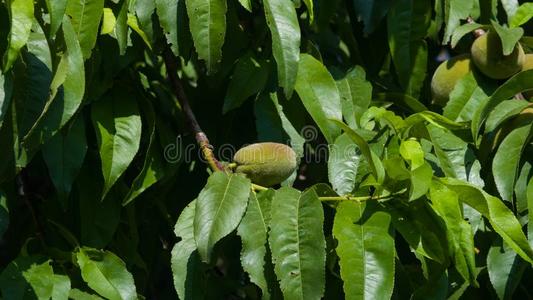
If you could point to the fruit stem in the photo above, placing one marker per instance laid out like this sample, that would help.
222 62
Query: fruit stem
257 187
179 92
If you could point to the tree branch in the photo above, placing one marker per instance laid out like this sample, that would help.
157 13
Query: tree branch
200 136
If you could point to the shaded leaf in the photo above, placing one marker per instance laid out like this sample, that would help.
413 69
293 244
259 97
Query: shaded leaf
64 155
505 270
356 93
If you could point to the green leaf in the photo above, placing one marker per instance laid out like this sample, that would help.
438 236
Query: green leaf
319 94
365 249
343 163
504 111
56 9
408 23
463 30
505 270
253 231
371 157
121 27
356 93
21 20
106 273
249 78
520 82
188 277
459 231
13 285
45 283
108 21
60 107
297 243
247 4
85 16
296 140
507 158
207 21
509 36
500 217
451 151
76 294
283 24
310 10
219 210
523 14
455 11
144 9
118 131
153 169
64 155
510 7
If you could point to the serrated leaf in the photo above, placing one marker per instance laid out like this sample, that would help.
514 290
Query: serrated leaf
249 78
106 273
319 95
459 231
500 217
85 16
520 82
21 20
356 93
253 231
118 131
62 104
153 168
207 21
374 161
283 24
45 283
184 258
408 48
343 163
219 210
455 11
64 154
507 158
297 243
365 249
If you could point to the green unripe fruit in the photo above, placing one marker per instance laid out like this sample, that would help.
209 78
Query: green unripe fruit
266 164
446 77
528 65
487 54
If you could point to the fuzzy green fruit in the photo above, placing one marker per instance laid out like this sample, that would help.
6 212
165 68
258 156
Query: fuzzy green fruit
266 164
487 54
528 65
446 77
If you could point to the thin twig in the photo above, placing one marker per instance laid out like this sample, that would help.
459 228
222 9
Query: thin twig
201 138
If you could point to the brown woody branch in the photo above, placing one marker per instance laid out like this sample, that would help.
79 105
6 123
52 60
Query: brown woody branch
200 136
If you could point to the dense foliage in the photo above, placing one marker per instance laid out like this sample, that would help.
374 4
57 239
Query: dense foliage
108 188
